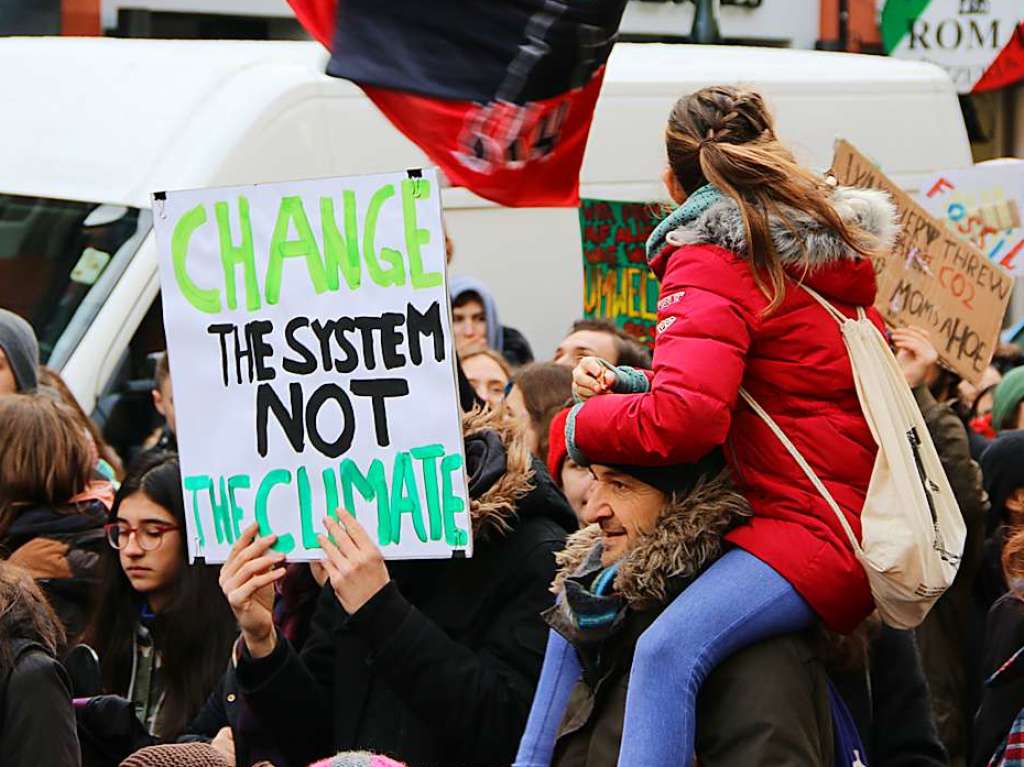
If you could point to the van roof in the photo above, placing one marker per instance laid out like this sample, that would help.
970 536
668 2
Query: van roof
110 120
659 65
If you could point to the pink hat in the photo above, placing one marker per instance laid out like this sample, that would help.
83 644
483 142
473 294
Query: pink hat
357 759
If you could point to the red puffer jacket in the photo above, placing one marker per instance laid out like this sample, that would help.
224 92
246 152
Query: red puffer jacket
712 338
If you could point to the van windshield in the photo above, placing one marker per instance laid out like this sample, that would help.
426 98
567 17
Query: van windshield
59 260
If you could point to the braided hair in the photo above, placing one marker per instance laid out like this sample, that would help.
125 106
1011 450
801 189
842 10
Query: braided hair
725 135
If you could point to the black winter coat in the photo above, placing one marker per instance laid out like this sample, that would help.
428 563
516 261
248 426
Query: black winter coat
890 705
1002 699
37 722
60 548
438 668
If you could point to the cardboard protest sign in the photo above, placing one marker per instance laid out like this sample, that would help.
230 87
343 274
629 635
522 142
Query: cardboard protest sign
982 204
309 340
617 283
932 278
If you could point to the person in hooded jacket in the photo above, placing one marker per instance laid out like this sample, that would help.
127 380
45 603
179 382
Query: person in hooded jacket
475 322
649 532
46 464
431 662
19 355
769 704
37 722
752 230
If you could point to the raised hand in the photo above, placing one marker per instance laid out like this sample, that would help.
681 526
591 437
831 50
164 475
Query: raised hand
353 562
915 353
247 580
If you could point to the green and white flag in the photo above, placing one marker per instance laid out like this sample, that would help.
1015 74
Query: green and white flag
979 42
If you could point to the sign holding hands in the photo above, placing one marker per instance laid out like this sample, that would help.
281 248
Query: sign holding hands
354 564
247 579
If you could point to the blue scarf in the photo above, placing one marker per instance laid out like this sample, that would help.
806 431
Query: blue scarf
694 207
588 610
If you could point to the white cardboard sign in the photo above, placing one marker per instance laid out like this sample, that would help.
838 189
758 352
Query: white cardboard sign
309 340
982 204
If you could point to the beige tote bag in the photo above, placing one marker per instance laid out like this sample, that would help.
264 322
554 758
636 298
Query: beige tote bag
912 532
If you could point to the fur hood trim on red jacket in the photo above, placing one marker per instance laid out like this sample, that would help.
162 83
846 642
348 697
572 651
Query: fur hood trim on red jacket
870 209
686 539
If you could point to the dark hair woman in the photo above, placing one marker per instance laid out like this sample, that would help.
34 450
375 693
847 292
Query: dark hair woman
37 722
162 629
536 394
45 464
755 246
108 462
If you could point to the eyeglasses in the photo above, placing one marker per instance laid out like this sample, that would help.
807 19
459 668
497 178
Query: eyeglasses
148 535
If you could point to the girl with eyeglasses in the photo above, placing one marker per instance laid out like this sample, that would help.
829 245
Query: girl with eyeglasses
162 630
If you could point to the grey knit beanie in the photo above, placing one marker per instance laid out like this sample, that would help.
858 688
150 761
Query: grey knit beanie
19 344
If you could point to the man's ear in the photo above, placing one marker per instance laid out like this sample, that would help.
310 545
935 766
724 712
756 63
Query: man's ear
158 402
1015 503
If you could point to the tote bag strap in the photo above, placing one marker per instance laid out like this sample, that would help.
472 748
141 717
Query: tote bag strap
802 463
837 315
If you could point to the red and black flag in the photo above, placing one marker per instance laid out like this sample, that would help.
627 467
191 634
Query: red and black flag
499 93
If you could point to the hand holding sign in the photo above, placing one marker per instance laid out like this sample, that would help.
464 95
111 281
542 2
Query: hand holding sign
915 352
353 562
247 579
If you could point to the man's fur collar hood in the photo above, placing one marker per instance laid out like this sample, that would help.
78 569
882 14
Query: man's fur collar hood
687 538
870 209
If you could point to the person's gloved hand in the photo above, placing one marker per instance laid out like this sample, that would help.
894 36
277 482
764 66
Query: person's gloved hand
592 376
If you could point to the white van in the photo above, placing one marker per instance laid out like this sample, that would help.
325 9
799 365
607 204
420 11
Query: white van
94 121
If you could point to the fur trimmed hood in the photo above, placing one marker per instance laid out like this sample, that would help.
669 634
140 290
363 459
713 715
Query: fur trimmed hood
870 209
495 508
687 538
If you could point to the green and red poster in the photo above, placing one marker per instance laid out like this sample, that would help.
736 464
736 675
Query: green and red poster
617 284
979 42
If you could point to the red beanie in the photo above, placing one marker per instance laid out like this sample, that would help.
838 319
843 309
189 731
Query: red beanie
557 452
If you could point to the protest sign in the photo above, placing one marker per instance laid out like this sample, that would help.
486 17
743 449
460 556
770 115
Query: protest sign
309 339
931 278
982 204
617 283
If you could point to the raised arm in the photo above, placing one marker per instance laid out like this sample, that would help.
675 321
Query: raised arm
704 328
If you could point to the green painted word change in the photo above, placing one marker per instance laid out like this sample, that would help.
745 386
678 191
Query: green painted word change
346 250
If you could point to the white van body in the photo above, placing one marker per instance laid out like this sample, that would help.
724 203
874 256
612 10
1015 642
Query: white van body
109 120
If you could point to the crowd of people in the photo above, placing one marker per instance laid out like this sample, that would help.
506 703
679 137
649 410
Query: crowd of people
655 581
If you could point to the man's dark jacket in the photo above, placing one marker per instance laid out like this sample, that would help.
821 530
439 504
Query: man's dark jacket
773 711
